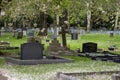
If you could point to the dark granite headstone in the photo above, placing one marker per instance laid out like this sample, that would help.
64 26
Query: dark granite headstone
74 33
31 51
74 36
89 47
20 35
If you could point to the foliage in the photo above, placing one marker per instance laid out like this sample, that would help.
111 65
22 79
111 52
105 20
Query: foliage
30 9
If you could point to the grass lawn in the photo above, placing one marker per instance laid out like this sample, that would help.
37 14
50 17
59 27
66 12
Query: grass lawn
48 71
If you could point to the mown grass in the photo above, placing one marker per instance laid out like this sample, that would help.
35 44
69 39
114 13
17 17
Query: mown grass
103 40
48 71
81 64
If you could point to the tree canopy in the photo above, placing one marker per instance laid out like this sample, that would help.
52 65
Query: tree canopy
103 12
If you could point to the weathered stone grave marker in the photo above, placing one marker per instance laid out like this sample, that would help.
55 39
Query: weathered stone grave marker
74 33
20 33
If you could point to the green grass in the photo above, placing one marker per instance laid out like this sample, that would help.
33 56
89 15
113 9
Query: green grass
103 41
47 71
13 41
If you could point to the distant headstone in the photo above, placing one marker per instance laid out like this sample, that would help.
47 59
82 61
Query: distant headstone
74 33
20 33
30 33
74 36
2 31
24 29
76 30
24 33
111 34
14 33
82 31
37 30
89 47
31 51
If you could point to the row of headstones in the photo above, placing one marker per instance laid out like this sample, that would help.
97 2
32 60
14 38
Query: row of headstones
30 32
32 51
35 51
21 32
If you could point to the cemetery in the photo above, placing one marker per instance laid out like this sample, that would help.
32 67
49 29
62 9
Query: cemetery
59 40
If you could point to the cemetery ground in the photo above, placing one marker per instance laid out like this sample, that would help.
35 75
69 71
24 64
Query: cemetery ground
48 71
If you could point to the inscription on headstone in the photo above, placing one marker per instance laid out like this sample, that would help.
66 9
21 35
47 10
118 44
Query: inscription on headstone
31 51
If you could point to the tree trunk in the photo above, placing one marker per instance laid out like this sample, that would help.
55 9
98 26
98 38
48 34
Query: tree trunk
88 18
56 25
116 21
64 37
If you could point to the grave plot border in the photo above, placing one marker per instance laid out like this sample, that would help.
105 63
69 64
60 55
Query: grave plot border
56 59
70 76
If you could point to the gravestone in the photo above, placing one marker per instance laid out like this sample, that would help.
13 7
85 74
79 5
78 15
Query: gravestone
74 36
24 32
2 31
20 33
82 31
31 51
74 33
89 47
14 33
30 35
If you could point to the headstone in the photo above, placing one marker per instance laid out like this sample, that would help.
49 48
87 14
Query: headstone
111 34
74 36
82 31
20 33
37 30
31 51
24 32
24 29
14 32
30 33
2 31
89 47
74 33
74 30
